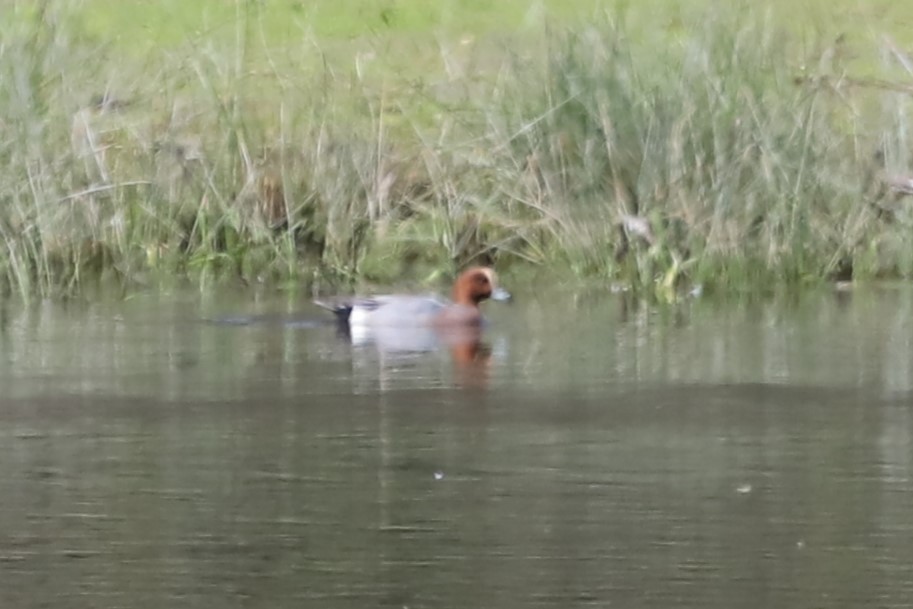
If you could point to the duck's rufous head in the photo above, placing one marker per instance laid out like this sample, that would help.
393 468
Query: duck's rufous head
477 284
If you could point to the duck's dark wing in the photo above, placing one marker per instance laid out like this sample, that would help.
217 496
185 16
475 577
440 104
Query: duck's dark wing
342 308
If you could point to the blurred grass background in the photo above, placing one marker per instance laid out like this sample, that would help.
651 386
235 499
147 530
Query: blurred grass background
658 145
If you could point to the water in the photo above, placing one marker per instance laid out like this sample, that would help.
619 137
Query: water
592 453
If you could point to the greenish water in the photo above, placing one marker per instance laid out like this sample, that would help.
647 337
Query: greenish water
216 451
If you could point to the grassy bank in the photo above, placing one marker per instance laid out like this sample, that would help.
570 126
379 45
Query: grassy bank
728 148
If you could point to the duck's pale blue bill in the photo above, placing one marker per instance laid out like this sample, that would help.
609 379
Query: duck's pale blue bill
501 294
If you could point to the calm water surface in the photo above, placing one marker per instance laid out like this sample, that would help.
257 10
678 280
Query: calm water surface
591 453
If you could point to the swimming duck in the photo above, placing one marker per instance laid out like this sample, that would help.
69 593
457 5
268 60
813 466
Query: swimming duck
471 287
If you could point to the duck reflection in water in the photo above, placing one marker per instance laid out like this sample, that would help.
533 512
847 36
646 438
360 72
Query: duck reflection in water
409 324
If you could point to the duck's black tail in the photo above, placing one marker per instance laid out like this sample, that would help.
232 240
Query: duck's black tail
341 309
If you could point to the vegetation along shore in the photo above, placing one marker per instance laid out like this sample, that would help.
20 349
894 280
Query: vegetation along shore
730 146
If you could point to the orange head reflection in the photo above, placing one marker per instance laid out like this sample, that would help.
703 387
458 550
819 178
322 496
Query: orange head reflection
471 356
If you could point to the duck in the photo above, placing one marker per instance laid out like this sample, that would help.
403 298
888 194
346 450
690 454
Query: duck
472 287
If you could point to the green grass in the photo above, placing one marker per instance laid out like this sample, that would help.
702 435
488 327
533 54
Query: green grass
648 144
